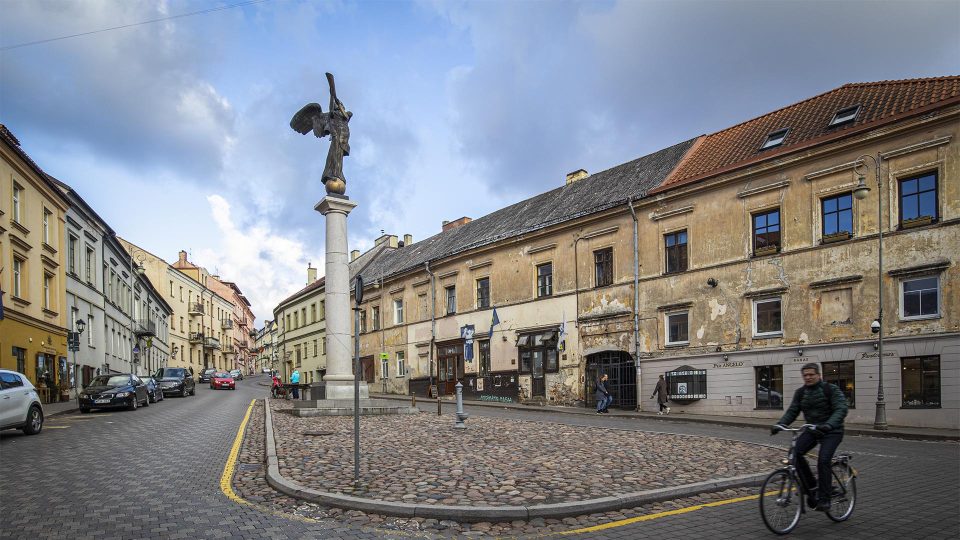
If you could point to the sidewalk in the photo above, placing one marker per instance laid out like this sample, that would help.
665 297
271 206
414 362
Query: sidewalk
901 432
62 407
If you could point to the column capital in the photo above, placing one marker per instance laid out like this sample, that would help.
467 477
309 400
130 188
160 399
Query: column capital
339 205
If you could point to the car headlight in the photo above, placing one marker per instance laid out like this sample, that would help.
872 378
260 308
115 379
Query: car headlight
123 394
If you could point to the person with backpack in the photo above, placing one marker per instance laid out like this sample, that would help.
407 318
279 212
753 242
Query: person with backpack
604 399
824 405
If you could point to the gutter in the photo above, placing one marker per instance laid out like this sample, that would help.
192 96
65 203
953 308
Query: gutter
636 296
433 328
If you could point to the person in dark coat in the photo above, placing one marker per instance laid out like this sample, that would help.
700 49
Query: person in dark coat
660 392
604 399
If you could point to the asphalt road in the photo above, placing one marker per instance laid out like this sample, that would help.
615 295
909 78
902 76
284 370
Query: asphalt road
155 473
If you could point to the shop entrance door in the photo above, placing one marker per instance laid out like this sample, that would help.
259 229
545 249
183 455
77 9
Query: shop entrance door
450 359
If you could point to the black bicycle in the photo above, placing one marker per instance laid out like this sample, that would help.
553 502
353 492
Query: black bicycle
782 496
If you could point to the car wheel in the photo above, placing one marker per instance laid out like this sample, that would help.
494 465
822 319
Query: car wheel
151 398
34 421
194 391
184 392
133 403
146 402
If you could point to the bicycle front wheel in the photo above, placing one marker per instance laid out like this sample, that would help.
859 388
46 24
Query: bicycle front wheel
845 492
780 501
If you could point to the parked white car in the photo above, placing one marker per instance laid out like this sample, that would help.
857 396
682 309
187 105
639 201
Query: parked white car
20 406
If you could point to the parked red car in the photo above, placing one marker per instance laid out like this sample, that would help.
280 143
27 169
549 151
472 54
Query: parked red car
222 379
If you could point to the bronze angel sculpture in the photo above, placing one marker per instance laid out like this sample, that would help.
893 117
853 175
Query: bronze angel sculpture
334 123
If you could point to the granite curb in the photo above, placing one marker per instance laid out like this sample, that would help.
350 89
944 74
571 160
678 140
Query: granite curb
485 513
915 434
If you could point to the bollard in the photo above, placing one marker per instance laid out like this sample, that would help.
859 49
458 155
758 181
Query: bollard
413 400
461 416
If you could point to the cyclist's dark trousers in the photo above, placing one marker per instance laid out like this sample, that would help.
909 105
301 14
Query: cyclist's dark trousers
828 445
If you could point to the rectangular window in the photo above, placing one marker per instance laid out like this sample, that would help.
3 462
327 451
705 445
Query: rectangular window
451 299
918 200
484 354
920 382
483 293
384 368
677 325
47 279
313 313
769 386
88 271
676 251
72 254
315 349
766 317
842 375
398 311
845 115
401 364
375 315
17 199
21 356
17 276
323 309
422 301
920 298
766 233
837 217
363 321
603 266
296 320
774 139
46 226
171 288
544 279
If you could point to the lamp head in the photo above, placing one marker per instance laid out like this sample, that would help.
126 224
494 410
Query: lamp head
81 325
861 191
875 326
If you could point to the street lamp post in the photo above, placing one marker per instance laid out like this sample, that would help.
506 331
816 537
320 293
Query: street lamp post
860 192
80 325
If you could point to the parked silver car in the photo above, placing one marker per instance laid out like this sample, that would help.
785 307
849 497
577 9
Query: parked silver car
20 406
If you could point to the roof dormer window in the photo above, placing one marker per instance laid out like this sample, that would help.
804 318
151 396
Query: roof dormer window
845 115
775 139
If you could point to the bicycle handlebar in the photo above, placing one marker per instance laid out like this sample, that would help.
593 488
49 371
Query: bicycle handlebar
801 428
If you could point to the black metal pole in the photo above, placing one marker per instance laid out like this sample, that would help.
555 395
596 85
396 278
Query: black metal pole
356 397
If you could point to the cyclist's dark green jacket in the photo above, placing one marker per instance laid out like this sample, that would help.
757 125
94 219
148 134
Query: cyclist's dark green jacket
816 407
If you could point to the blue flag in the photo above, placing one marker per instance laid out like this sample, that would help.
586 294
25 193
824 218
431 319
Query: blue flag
494 322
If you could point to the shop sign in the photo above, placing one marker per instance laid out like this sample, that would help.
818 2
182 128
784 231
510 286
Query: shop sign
686 384
738 363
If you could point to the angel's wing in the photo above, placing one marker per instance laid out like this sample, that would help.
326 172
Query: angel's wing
302 122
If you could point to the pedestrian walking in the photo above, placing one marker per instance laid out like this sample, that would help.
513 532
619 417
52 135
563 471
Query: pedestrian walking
660 392
295 380
604 399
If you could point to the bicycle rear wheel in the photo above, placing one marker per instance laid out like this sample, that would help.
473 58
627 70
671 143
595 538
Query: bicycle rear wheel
845 492
780 501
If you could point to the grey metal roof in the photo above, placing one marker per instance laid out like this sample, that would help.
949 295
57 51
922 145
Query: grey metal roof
595 193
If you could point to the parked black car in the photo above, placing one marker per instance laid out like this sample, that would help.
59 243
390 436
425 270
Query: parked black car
207 374
176 381
111 391
153 388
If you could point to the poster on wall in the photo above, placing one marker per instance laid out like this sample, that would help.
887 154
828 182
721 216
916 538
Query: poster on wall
466 332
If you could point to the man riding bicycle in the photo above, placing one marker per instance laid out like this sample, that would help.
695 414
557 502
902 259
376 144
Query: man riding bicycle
824 405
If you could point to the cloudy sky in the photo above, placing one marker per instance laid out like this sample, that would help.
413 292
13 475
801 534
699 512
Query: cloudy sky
176 131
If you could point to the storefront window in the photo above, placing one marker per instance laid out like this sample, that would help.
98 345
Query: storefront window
484 356
769 387
920 382
842 375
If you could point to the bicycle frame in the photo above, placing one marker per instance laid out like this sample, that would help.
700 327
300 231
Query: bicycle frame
790 463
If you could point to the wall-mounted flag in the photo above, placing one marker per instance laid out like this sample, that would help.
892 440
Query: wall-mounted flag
495 321
561 342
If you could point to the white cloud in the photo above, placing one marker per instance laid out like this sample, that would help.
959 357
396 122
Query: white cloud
267 265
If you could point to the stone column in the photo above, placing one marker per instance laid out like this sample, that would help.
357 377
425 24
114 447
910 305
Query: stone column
339 377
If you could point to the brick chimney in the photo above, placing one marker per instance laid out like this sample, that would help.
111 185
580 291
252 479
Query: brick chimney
448 225
578 174
311 274
354 254
183 256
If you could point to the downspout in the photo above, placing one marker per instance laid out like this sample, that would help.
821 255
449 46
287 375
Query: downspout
433 330
636 296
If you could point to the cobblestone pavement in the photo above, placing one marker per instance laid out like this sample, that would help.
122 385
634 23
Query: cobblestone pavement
497 461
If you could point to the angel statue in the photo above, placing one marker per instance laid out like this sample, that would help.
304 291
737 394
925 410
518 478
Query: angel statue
335 124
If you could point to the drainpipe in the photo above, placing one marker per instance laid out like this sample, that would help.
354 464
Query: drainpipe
636 295
433 330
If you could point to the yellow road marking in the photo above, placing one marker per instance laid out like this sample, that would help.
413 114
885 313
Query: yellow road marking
659 515
226 479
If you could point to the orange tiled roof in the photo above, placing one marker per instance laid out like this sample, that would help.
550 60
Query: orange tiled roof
809 124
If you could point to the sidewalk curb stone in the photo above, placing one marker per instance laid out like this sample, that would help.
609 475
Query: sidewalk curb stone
485 513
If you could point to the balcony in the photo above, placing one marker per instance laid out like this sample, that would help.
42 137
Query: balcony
229 350
195 308
211 343
226 324
144 327
196 337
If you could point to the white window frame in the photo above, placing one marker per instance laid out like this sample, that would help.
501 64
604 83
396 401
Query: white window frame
47 282
765 300
46 226
17 197
666 327
17 275
401 364
384 368
397 311
936 315
90 327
